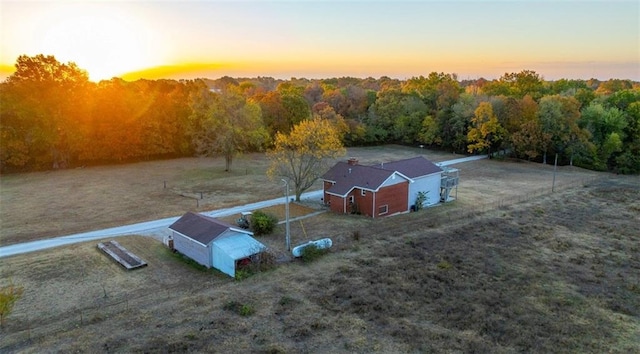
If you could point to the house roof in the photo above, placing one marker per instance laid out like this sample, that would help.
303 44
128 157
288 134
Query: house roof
346 177
413 168
202 228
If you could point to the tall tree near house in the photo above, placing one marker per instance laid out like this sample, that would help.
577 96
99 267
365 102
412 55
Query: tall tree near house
303 155
229 125
486 132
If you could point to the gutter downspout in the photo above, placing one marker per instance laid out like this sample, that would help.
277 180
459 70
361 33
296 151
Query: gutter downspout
373 212
344 205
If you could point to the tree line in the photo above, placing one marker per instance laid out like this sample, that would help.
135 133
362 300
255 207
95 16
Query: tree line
52 116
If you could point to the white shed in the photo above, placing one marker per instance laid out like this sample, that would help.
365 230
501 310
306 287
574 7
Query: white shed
425 176
213 243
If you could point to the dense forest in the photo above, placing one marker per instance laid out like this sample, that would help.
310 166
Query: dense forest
52 116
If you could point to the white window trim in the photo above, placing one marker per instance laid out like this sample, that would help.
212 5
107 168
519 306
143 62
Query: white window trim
386 209
363 192
352 199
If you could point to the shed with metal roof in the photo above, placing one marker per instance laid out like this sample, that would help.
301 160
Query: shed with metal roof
213 243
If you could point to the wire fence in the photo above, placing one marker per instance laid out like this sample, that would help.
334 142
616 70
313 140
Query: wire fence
471 211
29 328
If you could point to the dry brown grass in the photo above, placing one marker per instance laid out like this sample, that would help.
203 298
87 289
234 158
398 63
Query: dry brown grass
529 272
48 204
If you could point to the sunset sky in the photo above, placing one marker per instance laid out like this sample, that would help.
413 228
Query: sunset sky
321 39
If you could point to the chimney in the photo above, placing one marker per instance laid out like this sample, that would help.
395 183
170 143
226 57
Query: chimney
352 161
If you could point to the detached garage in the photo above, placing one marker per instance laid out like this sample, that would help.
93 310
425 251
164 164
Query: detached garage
213 243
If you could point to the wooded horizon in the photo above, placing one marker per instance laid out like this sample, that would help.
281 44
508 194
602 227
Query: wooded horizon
54 117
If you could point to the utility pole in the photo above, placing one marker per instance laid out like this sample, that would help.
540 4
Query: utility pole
286 214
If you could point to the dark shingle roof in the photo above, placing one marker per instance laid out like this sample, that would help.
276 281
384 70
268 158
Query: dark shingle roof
201 228
413 167
347 176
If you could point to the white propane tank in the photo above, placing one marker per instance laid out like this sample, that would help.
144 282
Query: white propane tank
320 244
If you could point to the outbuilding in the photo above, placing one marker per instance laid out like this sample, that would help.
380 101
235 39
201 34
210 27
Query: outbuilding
214 243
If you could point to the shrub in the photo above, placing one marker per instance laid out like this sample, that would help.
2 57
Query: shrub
242 274
311 253
420 200
263 223
239 308
444 265
8 296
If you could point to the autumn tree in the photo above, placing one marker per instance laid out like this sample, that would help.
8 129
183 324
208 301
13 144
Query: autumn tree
485 131
436 90
613 85
518 85
607 126
397 117
44 103
629 160
273 112
229 125
461 116
380 118
528 139
303 155
559 121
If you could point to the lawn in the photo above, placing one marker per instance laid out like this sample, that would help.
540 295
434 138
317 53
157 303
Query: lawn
56 203
508 267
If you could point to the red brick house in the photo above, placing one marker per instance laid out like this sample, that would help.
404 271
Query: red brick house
368 190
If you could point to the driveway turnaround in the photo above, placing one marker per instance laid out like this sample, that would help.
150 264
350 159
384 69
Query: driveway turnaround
154 227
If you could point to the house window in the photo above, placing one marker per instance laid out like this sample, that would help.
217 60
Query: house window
351 199
383 209
363 192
